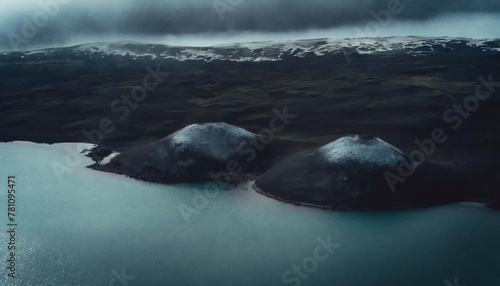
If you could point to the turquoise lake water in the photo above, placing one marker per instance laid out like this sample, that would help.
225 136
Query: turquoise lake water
85 227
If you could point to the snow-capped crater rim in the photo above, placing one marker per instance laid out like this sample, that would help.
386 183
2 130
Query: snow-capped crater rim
216 140
191 132
365 149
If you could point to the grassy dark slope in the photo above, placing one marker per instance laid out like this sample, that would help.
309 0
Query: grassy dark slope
394 96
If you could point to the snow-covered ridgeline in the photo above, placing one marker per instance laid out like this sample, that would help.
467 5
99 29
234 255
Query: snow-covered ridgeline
274 51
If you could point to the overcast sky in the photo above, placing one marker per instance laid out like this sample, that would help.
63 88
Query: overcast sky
28 24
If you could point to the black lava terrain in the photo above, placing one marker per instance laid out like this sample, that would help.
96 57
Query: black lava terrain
399 95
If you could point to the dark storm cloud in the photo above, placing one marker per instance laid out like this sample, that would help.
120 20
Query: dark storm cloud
67 19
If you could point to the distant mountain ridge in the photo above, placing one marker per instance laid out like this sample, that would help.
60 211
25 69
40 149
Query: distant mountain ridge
276 50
